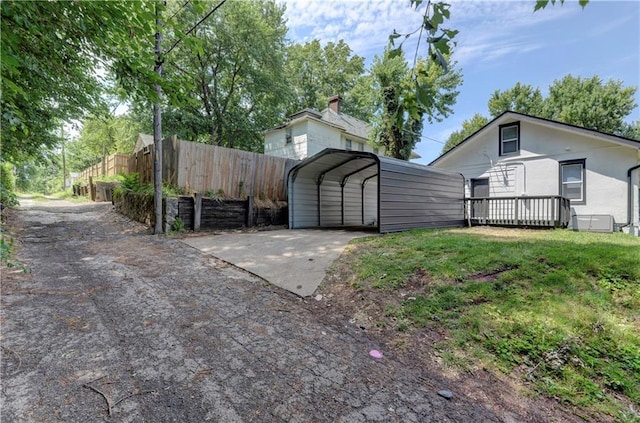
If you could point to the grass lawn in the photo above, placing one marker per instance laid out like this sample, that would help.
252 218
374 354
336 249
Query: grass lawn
559 308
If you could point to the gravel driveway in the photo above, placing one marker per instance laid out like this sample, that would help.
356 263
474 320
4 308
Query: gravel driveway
115 324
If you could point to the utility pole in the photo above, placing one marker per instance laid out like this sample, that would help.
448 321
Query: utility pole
157 116
157 129
64 160
64 168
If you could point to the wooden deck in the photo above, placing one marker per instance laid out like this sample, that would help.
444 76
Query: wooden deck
530 211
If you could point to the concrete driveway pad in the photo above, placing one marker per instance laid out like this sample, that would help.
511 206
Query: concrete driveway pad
293 259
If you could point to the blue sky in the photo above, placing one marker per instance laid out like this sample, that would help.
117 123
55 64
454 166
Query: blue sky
500 43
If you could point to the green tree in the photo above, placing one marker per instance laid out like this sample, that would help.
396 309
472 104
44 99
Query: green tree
100 137
51 55
8 195
438 41
469 127
521 98
43 176
590 103
397 129
631 130
231 83
316 73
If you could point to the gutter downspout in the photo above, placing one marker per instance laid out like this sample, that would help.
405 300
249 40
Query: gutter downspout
630 195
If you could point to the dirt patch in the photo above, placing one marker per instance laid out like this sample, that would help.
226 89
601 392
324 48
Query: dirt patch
490 276
342 302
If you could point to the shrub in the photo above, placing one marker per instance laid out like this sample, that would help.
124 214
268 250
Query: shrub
8 195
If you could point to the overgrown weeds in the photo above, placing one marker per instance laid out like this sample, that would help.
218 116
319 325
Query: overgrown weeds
131 183
7 252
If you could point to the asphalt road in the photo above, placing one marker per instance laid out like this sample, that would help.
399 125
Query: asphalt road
115 324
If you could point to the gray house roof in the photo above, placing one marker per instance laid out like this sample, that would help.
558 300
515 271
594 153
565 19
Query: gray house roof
350 124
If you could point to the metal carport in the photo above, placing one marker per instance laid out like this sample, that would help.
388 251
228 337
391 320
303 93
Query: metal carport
338 188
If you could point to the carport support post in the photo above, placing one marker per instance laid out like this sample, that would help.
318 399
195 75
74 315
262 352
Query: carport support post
197 211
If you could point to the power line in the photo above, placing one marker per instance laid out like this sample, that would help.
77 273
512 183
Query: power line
406 131
195 26
432 139
180 9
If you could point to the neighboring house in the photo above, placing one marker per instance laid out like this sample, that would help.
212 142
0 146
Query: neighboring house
143 141
517 155
309 131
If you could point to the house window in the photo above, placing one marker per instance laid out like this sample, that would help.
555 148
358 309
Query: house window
572 180
509 138
360 146
347 144
287 136
480 187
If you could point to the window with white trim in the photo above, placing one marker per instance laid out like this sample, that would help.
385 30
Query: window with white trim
509 138
360 146
572 180
347 144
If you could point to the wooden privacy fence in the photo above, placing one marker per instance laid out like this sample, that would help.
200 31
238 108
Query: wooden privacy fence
110 166
214 170
534 211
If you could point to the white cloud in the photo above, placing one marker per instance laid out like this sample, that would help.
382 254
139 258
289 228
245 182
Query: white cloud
489 30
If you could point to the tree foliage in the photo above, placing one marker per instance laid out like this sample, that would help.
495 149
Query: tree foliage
541 4
230 85
399 132
439 41
316 73
101 136
590 102
521 98
52 53
469 127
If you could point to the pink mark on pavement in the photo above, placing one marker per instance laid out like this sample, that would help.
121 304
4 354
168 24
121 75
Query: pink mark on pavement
375 354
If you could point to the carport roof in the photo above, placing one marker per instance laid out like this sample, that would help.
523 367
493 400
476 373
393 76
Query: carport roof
334 164
344 162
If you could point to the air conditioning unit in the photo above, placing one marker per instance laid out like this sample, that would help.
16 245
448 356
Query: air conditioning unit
593 223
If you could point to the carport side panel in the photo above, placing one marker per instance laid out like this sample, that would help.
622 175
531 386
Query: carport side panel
330 204
371 216
303 203
423 199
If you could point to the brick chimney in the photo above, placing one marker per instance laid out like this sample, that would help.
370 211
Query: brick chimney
335 103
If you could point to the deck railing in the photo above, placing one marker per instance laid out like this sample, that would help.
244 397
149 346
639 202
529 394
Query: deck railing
532 211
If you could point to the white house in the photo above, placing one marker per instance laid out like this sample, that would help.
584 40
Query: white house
309 131
517 155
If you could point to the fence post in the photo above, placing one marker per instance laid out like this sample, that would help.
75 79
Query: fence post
197 211
92 191
250 211
515 209
485 211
